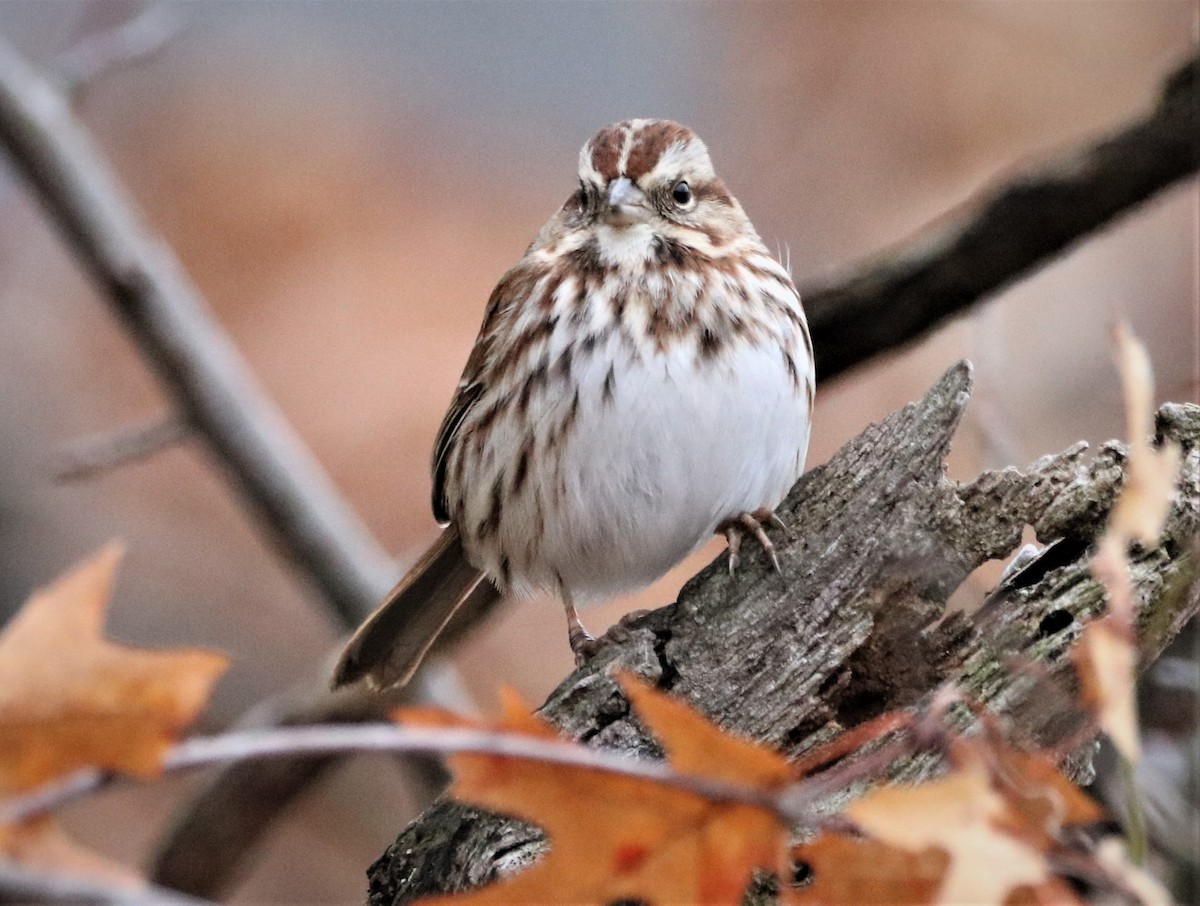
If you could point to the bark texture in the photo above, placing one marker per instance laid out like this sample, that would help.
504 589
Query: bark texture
854 626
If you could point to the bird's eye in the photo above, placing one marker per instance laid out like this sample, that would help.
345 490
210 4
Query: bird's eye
682 192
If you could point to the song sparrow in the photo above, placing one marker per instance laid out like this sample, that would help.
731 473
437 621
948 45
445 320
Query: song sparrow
643 378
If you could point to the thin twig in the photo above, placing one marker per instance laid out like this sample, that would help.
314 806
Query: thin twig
209 837
293 742
851 741
210 383
102 52
1026 218
94 456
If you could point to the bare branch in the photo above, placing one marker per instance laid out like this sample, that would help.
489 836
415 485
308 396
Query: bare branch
331 739
102 52
278 479
94 456
992 240
212 835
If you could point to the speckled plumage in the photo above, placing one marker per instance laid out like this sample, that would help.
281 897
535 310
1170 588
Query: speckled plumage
643 377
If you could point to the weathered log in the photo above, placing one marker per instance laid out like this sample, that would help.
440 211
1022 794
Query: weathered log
856 625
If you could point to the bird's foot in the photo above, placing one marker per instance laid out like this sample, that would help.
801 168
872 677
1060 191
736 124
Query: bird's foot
755 524
583 643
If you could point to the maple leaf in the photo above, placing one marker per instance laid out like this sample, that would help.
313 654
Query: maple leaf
614 837
959 814
848 871
69 699
982 834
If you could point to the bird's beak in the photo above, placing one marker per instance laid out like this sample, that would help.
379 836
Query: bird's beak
626 203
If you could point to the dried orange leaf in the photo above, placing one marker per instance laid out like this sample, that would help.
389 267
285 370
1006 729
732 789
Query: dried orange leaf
70 699
695 745
1049 893
1106 661
850 872
1106 657
1041 800
1150 474
615 838
959 814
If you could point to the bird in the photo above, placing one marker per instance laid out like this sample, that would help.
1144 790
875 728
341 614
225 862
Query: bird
642 380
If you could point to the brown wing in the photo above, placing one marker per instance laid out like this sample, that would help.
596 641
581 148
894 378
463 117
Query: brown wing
460 407
387 649
514 287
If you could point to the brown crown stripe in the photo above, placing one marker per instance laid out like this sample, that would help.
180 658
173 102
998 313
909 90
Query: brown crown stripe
650 143
606 150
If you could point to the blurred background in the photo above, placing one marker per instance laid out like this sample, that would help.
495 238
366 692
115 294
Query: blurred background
346 182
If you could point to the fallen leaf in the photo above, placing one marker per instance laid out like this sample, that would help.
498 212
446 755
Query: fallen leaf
1106 661
615 838
69 699
1106 655
1049 893
1039 800
1150 474
847 871
695 745
960 814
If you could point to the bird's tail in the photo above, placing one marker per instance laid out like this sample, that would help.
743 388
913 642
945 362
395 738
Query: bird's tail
389 647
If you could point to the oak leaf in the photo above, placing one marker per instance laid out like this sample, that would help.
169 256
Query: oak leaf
848 871
962 815
615 838
70 699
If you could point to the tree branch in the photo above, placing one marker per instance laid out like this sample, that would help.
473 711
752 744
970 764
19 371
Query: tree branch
329 739
855 626
94 456
210 384
105 51
1030 216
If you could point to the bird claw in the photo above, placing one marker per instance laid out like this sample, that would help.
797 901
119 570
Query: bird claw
743 524
584 645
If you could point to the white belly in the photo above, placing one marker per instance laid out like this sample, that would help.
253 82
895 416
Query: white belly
653 466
